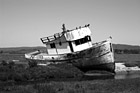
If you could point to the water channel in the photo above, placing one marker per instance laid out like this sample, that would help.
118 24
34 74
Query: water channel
118 75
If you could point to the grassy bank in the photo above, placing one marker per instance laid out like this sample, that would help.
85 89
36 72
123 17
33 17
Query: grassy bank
24 73
94 86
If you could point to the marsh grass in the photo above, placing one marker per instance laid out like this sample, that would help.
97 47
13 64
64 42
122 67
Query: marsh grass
127 57
94 86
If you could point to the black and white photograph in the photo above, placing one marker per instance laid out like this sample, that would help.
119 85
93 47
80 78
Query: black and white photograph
69 46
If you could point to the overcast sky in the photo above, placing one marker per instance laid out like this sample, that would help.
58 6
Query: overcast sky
24 22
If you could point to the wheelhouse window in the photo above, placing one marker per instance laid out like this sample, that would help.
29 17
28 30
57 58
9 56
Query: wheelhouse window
83 40
77 42
88 38
52 45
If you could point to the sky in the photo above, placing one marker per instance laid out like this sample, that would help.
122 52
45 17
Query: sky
24 22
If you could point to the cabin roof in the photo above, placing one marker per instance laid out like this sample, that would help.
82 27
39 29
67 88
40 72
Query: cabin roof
51 38
58 35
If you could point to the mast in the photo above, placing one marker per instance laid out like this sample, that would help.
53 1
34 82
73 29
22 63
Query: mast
63 28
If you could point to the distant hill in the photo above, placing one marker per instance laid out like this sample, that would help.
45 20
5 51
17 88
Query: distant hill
124 46
23 50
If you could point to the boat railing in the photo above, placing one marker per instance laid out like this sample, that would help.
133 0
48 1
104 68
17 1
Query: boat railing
58 35
51 38
99 43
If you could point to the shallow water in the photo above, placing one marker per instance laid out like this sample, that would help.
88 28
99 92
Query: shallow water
127 75
118 75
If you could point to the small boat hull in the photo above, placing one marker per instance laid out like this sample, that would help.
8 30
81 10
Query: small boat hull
98 57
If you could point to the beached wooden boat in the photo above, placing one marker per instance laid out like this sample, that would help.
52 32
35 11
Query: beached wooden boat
75 47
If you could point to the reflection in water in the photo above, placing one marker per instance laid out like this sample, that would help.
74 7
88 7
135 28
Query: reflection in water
124 72
126 75
101 76
118 75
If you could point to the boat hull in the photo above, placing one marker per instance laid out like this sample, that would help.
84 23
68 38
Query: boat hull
110 67
98 57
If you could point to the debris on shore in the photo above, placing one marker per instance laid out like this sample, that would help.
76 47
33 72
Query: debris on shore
120 67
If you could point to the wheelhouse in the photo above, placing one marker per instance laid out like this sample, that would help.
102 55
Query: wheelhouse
68 41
